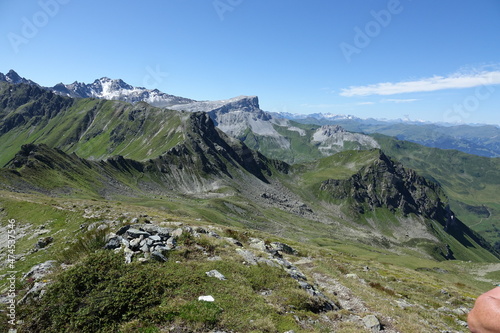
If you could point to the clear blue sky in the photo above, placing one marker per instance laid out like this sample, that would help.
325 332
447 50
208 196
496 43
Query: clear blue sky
422 59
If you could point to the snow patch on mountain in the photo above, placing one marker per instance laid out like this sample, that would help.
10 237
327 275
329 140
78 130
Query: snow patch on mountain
117 89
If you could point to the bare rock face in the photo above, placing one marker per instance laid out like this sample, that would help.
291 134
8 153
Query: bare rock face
332 139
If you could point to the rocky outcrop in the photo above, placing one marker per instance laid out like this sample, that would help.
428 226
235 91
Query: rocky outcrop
332 139
240 103
385 183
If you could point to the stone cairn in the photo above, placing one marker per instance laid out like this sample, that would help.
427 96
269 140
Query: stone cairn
149 242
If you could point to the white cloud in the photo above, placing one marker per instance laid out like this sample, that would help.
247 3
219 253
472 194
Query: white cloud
399 100
455 81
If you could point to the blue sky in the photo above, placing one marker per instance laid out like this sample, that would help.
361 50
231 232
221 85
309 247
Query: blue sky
422 59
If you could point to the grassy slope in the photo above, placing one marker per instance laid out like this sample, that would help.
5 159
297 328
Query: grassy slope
467 179
300 149
425 285
98 129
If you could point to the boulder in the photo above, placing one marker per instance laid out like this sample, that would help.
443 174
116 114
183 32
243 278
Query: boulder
135 243
128 255
144 248
43 242
248 256
372 323
283 262
155 238
233 241
258 244
284 248
213 234
162 249
122 230
171 242
177 233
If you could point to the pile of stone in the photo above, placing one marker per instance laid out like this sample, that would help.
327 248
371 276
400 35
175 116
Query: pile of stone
153 242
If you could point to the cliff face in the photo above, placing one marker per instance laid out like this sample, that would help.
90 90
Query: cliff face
387 184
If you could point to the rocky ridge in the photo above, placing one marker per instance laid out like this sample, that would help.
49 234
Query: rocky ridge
14 78
386 184
239 117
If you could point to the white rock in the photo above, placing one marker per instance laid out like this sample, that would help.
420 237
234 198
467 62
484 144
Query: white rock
206 298
372 323
216 274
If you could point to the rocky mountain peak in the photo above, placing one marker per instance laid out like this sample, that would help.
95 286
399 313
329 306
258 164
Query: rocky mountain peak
387 184
14 78
117 89
106 85
215 146
245 103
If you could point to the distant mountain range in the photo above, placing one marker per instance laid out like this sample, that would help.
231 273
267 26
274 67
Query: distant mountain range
271 133
482 140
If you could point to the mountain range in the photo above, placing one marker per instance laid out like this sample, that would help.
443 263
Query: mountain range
274 133
186 153
77 165
482 140
284 139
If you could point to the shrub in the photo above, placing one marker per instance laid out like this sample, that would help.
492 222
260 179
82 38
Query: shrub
86 244
378 286
102 294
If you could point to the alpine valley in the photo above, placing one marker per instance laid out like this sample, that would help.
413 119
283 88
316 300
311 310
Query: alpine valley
128 204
